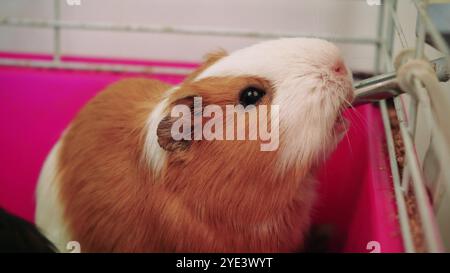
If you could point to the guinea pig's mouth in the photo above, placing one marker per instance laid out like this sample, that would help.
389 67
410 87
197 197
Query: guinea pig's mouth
340 125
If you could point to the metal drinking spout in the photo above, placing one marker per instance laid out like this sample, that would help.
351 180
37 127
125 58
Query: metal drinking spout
386 86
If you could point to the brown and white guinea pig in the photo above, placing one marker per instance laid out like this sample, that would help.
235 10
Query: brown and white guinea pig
117 181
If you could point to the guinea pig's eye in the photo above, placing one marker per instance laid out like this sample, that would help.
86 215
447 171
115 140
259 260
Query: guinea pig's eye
251 95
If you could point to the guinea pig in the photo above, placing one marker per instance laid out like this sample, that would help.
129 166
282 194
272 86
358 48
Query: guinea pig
119 180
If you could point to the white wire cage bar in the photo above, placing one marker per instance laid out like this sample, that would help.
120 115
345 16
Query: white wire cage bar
57 25
423 130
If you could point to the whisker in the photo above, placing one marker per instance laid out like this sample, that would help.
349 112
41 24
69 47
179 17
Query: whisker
349 143
362 119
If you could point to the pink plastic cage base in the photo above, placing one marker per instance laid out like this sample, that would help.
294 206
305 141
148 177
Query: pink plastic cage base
355 189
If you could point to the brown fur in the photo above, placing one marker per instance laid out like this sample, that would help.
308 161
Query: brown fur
213 196
210 59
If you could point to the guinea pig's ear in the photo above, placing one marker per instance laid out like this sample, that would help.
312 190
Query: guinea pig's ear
209 59
176 133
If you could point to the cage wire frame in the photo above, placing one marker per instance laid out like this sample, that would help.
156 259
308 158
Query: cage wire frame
422 131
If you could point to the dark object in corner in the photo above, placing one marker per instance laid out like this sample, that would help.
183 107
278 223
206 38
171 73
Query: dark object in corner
18 235
318 239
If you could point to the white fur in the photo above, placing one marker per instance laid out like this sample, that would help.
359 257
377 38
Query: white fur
300 70
276 60
154 155
49 211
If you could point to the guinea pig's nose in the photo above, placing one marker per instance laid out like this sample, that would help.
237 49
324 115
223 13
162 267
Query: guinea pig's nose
339 68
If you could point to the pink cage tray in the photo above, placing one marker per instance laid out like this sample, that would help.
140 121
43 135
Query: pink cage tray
355 190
